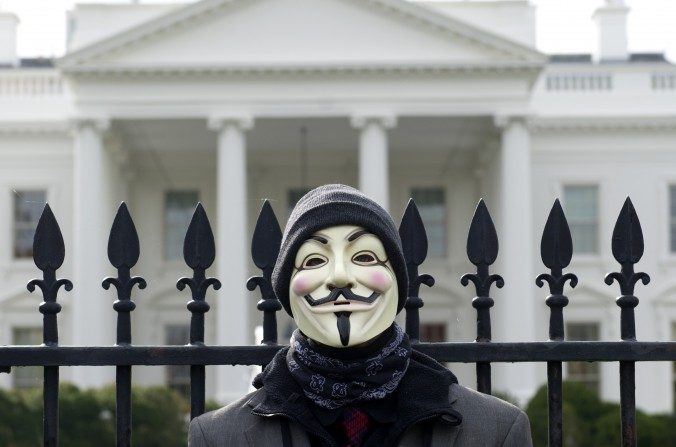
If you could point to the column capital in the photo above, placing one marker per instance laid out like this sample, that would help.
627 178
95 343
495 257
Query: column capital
98 124
385 120
503 121
219 122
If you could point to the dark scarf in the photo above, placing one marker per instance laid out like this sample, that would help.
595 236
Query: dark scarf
335 377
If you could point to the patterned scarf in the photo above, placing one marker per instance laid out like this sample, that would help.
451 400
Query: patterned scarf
331 382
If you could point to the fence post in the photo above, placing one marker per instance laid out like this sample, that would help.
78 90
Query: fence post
199 252
123 254
49 253
482 251
627 246
556 251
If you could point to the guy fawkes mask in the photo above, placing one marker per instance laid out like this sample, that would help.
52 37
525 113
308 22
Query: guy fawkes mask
343 291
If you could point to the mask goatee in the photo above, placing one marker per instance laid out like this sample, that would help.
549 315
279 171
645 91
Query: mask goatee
343 323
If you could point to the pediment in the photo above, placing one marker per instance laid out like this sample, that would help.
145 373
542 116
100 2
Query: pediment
300 33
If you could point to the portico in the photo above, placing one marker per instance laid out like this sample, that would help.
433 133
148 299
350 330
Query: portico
445 109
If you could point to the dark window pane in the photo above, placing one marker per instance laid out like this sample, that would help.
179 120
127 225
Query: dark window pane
581 202
178 209
431 203
27 376
587 373
433 332
28 206
177 376
672 217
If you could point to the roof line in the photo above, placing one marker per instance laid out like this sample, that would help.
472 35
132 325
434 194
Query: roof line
194 10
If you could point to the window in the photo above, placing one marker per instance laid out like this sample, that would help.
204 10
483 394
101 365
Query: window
293 195
433 332
586 373
27 376
28 206
178 209
581 204
432 207
177 376
672 218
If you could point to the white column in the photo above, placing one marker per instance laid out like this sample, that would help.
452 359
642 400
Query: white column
232 303
514 311
92 311
374 178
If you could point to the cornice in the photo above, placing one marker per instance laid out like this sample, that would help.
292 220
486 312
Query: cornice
602 123
61 128
308 69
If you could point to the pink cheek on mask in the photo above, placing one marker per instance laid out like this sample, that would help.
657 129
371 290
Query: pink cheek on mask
380 280
300 286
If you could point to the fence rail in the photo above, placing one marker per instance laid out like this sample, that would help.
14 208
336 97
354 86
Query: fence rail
199 254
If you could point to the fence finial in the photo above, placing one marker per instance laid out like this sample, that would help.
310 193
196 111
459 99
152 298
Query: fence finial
414 243
627 245
48 254
556 251
267 238
123 254
482 251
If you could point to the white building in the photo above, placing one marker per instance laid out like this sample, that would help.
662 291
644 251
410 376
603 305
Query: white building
233 101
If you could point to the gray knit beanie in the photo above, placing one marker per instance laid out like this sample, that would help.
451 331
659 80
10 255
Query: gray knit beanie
328 206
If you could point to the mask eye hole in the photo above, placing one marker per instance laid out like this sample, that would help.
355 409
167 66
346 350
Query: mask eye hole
365 258
314 261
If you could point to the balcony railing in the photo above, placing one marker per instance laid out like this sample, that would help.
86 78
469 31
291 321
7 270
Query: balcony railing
31 84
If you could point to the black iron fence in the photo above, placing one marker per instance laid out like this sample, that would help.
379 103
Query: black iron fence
199 253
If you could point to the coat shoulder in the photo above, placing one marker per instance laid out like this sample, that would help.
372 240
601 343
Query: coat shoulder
487 416
223 427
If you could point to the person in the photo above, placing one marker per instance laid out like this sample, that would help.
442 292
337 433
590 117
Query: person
349 377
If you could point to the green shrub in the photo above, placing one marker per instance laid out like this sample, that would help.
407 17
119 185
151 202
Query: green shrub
589 421
87 417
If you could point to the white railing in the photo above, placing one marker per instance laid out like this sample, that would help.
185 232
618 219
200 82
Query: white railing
30 84
579 82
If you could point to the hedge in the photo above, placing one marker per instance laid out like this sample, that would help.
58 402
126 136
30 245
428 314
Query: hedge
87 417
587 421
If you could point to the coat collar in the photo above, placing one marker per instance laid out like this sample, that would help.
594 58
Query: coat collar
280 395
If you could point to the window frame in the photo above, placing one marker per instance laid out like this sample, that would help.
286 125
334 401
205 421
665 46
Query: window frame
183 388
670 220
597 365
598 243
36 370
165 193
446 247
10 262
607 214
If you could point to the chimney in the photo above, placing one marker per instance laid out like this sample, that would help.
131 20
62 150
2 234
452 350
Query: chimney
8 24
611 26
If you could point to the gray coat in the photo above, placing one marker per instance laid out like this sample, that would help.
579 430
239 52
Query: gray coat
487 421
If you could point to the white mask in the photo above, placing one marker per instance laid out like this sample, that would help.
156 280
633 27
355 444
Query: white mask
347 257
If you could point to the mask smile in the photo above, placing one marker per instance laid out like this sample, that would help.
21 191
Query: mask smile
336 293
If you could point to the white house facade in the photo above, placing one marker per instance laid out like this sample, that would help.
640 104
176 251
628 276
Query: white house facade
229 102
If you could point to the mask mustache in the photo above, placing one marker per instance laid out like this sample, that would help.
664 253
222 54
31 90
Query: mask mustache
344 291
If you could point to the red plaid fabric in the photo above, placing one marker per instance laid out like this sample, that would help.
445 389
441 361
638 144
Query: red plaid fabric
354 424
